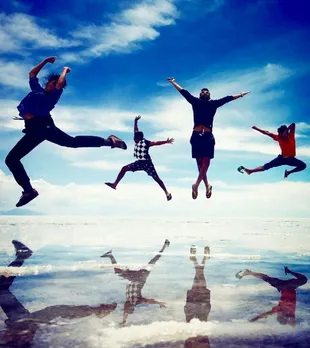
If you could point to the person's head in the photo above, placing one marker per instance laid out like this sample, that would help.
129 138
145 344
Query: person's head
204 94
51 82
138 136
283 131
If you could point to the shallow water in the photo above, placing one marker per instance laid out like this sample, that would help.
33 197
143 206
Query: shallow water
65 295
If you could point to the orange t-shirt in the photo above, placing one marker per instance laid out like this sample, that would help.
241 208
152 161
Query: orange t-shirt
288 146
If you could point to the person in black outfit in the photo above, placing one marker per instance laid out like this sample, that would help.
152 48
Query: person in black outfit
202 139
22 325
35 110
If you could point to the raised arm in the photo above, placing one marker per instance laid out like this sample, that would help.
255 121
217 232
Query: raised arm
162 142
240 95
291 128
263 131
62 78
34 72
172 81
136 128
191 99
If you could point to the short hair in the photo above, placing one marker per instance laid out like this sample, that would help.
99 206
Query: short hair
205 89
54 77
282 129
139 135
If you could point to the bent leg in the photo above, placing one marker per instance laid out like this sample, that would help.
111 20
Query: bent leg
276 162
26 144
120 176
294 162
57 136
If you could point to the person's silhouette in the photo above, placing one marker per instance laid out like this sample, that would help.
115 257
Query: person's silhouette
198 300
286 308
21 325
137 280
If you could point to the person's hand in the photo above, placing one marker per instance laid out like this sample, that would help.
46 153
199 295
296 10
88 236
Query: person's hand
50 59
244 93
67 69
137 118
170 79
170 140
162 304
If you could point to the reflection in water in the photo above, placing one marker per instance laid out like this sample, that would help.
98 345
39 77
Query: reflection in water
137 281
198 300
21 325
286 308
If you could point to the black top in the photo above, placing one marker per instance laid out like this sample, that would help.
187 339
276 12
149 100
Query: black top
204 111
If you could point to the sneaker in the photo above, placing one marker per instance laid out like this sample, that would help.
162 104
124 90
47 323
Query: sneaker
169 197
21 250
26 197
117 142
167 242
193 250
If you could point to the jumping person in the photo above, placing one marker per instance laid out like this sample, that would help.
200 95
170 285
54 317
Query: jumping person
287 143
202 139
144 161
286 309
35 110
198 303
137 279
22 325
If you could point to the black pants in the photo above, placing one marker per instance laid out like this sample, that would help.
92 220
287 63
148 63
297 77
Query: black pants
36 131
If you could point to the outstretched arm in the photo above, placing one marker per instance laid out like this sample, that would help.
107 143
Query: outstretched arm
62 79
34 72
263 131
172 81
162 142
136 128
240 95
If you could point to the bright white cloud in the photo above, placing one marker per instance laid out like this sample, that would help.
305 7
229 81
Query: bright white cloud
126 30
262 200
21 31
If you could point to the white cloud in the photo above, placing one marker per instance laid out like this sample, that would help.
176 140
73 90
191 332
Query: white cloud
126 30
18 31
14 74
261 200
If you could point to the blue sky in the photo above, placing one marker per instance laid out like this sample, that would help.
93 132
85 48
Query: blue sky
120 53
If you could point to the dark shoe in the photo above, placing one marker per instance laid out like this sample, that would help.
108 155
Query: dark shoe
21 250
110 185
26 197
169 197
117 142
167 242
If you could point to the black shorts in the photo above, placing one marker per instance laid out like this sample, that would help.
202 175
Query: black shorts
202 145
145 165
282 161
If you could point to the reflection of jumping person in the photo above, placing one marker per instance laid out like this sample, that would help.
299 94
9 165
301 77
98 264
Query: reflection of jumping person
287 143
286 309
198 301
144 161
35 109
202 139
137 281
21 324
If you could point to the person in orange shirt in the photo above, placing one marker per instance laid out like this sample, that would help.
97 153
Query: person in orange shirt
286 308
287 143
